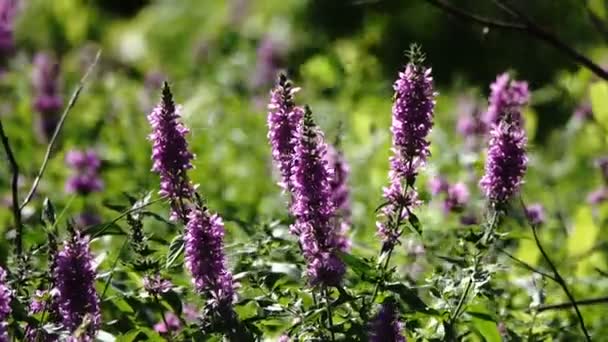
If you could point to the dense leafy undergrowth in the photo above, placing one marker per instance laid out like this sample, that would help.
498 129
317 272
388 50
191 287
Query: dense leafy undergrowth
187 192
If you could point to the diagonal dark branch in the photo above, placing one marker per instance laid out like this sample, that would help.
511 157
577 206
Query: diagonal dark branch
558 277
15 191
51 144
568 305
525 25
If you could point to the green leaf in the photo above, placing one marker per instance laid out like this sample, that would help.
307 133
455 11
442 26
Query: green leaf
415 223
409 296
599 102
105 336
598 7
176 248
359 265
172 298
486 328
130 336
585 233
48 213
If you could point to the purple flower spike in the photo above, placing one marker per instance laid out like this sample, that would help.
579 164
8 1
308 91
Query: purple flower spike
535 214
85 165
270 54
156 284
170 155
507 98
412 121
74 276
204 255
598 196
506 162
340 194
313 206
437 185
45 80
5 306
386 327
8 9
283 120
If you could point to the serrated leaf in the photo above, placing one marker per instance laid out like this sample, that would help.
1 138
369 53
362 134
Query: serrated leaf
359 265
176 248
408 296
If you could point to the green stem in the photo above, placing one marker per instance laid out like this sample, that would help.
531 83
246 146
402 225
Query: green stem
329 314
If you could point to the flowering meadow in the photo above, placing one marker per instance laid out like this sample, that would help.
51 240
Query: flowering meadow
303 171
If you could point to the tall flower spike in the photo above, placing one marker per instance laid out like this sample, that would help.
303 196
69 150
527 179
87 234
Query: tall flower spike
170 154
204 255
340 194
283 120
48 101
5 306
506 162
74 277
507 97
8 9
386 327
412 121
313 207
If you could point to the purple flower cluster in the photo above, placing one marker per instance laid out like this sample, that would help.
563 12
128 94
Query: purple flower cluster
507 97
8 9
456 195
5 306
156 284
313 207
387 327
74 277
535 213
506 162
204 255
170 155
340 194
85 165
284 117
412 122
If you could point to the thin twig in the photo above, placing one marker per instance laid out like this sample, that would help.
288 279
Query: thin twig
15 190
58 128
568 305
162 315
465 294
525 25
526 265
558 278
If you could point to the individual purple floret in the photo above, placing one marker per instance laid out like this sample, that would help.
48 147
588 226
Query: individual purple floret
583 111
170 155
85 178
205 258
283 120
412 120
506 162
598 196
387 327
456 198
535 214
5 306
340 194
313 207
8 9
173 324
507 98
283 338
74 278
